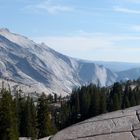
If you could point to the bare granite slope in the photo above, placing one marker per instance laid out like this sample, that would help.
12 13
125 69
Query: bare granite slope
119 125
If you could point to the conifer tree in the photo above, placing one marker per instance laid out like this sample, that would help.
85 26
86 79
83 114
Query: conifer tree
8 120
95 101
103 105
137 97
26 113
43 118
116 104
64 116
30 118
132 99
84 102
125 100
33 120
22 116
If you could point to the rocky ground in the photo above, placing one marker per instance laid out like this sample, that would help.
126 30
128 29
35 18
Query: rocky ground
119 125
24 138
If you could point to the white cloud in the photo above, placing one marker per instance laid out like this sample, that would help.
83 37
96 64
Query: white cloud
126 10
128 1
75 42
136 28
95 46
50 7
132 1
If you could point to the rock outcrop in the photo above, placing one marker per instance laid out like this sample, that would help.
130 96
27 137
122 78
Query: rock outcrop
118 125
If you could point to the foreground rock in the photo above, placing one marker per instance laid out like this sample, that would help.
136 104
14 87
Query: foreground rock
24 138
119 125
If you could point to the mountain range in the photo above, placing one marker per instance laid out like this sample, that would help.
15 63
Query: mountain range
35 67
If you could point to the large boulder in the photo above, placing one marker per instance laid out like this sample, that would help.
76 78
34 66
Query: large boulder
118 125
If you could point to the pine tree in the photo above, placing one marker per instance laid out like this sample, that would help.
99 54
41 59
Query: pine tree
103 105
43 118
74 106
125 100
95 101
8 120
33 120
64 118
22 116
26 112
132 100
116 104
137 95
84 97
30 119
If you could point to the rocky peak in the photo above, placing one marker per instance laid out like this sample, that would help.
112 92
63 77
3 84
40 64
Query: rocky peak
4 30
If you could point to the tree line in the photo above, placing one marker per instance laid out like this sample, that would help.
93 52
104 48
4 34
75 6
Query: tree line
21 116
24 116
89 101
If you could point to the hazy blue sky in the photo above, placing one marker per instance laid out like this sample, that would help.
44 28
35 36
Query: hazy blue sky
106 30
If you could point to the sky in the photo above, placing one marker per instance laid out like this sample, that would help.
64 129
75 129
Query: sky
106 30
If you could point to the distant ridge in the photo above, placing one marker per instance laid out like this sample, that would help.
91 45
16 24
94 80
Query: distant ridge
46 70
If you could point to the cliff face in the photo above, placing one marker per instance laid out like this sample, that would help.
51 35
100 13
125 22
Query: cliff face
37 68
119 125
34 67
